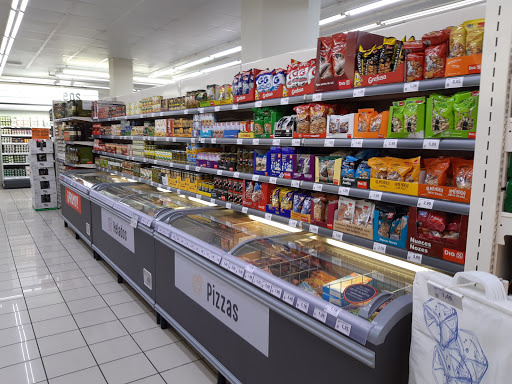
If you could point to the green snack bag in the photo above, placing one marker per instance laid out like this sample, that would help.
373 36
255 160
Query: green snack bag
508 197
442 116
414 116
466 113
397 120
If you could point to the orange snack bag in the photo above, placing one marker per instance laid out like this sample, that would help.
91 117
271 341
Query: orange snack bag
463 173
437 170
379 166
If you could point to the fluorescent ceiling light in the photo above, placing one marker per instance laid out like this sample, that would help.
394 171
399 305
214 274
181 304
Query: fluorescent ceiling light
17 24
79 72
1 70
227 52
147 80
77 77
217 67
366 27
370 7
14 4
10 22
431 11
193 63
332 19
23 5
8 49
100 63
188 75
4 45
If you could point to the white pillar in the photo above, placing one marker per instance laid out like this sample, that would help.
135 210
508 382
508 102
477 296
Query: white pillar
273 27
121 76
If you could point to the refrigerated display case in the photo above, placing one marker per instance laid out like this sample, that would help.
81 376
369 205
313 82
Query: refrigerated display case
344 310
76 186
125 214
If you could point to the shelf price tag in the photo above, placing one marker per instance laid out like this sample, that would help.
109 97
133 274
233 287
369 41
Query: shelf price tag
197 169
258 103
234 106
320 315
431 144
266 285
375 195
217 108
250 268
344 191
295 142
285 101
228 205
356 143
255 141
245 210
288 297
276 142
317 187
313 229
198 196
359 92
201 110
332 309
292 223
343 327
337 235
316 97
236 175
413 86
202 140
272 180
134 221
302 305
239 141
336 261
174 139
214 140
329 143
212 200
295 183
444 294
379 247
390 143
185 112
425 203
276 291
414 257
219 172
249 277
454 82
255 177
268 216
187 167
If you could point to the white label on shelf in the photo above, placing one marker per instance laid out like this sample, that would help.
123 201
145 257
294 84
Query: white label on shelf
313 252
201 110
414 257
332 309
431 144
390 143
214 140
317 187
192 140
272 180
239 271
320 315
250 268
336 261
343 327
255 177
239 141
302 305
198 196
375 195
174 139
202 140
295 183
185 112
444 294
413 86
238 313
379 247
245 210
356 143
255 141
234 106
292 223
268 216
358 92
187 167
219 172
197 169
212 200
295 142
329 143
171 165
178 191
228 205
258 103
276 291
316 97
266 285
288 297
217 108
276 142
225 264
454 82
285 101
425 203
313 229
344 191
236 175
134 221
337 235
249 276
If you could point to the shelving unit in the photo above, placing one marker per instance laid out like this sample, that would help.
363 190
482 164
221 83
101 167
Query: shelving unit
20 181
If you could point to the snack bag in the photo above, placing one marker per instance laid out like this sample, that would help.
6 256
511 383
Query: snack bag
286 196
363 213
318 118
397 119
275 200
411 114
306 206
361 61
265 80
442 115
398 168
363 170
319 209
457 41
292 71
237 84
365 116
463 173
435 61
379 167
278 79
338 53
372 60
474 36
325 53
465 108
311 70
346 208
326 171
387 55
298 200
348 166
303 121
376 121
437 170
436 37
415 66
400 54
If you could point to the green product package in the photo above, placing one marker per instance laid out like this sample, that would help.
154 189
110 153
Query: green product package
259 116
265 119
407 119
510 168
508 197
396 122
466 113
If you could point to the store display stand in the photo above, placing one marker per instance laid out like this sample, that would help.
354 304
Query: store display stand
42 177
22 180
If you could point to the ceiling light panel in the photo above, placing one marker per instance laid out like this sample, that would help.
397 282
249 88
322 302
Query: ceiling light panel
17 25
332 19
371 7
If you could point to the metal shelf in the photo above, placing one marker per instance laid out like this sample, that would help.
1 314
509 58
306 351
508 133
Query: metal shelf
85 143
73 118
504 227
376 90
347 238
14 154
78 165
388 197
10 135
14 143
429 144
16 177
15 164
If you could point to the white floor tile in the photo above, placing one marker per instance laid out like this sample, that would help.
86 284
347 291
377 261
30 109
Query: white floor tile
196 372
74 283
25 373
14 305
41 271
130 308
9 284
5 276
40 289
102 332
14 319
87 304
49 312
54 326
114 349
91 375
155 338
61 342
36 280
68 362
43 300
9 294
16 335
111 287
119 297
139 322
18 353
67 275
128 369
155 379
94 317
101 279
171 356
79 293
97 270
58 260
63 267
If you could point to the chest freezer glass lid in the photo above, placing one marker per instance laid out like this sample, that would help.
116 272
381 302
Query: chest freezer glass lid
119 192
225 229
151 203
92 178
346 276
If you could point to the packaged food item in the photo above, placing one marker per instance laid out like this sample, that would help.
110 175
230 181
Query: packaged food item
338 53
361 61
400 54
365 117
311 69
398 169
363 213
435 61
436 37
306 206
397 119
279 78
257 194
286 196
433 220
474 36
265 80
437 170
303 122
463 173
442 114
415 66
466 111
372 60
237 85
325 64
412 114
326 171
387 55
319 209
247 84
249 188
363 170
379 167
391 221
376 121
318 118
275 201
457 41
298 200
348 166
346 208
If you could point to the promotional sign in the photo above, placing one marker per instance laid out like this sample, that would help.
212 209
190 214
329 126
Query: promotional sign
41 133
242 314
118 229
74 200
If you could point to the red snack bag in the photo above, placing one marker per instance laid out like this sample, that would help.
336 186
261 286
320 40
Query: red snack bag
311 64
454 225
415 66
338 53
435 61
292 73
436 37
433 220
414 46
325 45
318 113
437 170
303 122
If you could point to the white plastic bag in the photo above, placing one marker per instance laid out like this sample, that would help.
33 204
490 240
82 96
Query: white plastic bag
461 331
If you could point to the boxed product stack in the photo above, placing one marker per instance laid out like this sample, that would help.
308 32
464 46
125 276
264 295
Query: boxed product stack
42 175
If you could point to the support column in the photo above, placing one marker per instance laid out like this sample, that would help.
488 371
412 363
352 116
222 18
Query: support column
121 76
273 27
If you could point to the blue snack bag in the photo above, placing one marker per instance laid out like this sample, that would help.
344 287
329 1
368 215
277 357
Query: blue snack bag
264 80
279 78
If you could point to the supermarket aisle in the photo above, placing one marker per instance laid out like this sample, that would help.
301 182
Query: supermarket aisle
64 318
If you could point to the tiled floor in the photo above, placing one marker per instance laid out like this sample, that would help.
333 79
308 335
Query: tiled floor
64 319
